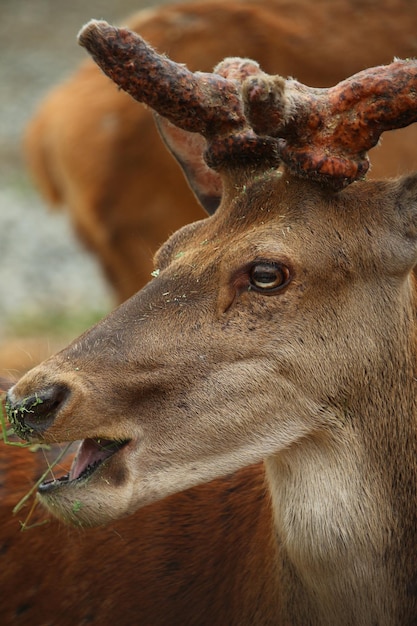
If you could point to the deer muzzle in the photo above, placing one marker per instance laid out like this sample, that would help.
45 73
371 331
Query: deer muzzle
32 415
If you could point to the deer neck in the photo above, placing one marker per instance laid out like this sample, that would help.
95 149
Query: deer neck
345 506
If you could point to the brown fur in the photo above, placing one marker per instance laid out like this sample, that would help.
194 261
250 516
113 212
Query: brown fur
103 160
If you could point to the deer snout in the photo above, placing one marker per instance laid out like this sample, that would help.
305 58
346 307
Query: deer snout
31 415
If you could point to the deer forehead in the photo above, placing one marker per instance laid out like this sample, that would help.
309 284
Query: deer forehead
292 221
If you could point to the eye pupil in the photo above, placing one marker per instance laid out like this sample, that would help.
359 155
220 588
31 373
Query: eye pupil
265 276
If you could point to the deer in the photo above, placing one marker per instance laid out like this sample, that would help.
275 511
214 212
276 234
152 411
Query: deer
266 374
111 187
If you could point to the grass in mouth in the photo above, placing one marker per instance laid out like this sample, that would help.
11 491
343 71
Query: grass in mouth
5 434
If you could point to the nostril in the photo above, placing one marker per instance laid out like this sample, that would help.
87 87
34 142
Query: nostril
35 413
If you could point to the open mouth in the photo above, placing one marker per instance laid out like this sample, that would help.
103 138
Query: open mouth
91 454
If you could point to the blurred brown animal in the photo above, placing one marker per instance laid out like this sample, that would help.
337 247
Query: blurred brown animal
94 150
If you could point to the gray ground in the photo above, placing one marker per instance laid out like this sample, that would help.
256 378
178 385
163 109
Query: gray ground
42 266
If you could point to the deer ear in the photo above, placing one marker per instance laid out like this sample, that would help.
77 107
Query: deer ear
405 199
407 205
188 149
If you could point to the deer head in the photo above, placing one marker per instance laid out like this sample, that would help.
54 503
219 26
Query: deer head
283 321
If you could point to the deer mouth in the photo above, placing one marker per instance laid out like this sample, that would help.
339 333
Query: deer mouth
91 454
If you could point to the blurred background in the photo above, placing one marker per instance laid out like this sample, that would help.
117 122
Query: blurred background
50 287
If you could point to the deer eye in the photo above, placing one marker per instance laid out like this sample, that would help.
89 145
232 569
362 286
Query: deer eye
268 276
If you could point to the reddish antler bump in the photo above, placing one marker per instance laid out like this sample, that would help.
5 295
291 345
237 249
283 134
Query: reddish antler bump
327 132
249 116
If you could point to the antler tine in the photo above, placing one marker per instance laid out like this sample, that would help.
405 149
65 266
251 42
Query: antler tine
203 103
327 132
210 104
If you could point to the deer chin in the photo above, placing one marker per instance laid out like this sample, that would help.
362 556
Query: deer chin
85 495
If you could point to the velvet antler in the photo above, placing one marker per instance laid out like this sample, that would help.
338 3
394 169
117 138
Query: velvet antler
209 104
327 132
247 115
